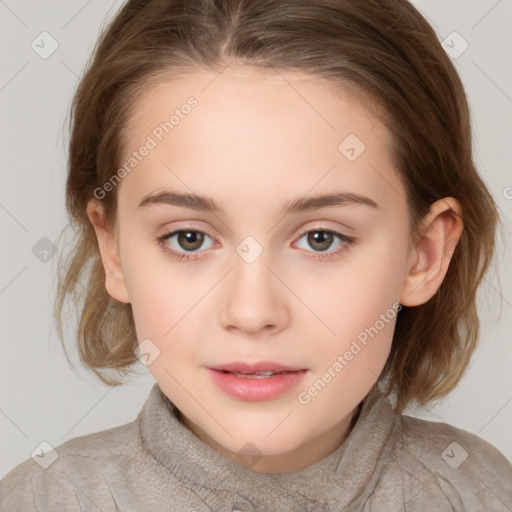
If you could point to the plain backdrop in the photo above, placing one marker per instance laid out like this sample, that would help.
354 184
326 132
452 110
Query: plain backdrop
42 398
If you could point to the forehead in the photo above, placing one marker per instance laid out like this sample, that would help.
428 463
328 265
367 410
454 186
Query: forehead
236 84
262 131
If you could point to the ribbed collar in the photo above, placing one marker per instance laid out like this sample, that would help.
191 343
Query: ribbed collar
345 478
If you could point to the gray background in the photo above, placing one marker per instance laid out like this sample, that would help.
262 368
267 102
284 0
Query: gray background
42 398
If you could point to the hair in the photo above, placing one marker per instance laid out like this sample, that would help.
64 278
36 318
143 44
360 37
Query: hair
383 48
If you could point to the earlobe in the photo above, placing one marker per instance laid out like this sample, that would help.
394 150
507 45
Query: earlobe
431 255
114 277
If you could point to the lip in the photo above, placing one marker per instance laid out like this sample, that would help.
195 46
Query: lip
256 389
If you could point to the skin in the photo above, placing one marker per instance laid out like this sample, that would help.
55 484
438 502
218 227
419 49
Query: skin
254 142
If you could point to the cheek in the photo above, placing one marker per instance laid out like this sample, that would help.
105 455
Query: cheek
360 305
160 293
166 310
360 288
164 306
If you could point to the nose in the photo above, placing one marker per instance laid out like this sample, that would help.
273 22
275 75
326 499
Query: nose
254 299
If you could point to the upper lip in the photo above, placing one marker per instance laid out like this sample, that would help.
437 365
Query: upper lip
253 367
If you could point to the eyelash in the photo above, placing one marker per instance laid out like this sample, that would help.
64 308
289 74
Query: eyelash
180 256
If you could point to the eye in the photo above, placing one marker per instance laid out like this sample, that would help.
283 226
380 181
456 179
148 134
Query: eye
322 239
189 240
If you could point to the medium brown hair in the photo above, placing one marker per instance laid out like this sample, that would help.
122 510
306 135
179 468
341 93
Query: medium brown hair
383 48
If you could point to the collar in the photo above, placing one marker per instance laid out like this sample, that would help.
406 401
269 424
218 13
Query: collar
345 477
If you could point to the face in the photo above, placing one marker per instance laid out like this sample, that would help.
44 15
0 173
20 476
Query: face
312 292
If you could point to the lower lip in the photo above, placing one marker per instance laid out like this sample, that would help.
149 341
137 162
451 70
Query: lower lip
256 389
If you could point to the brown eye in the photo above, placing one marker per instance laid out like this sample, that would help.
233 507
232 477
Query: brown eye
319 241
184 243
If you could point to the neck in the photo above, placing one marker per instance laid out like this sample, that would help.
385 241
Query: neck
303 456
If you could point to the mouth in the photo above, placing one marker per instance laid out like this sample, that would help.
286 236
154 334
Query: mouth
256 381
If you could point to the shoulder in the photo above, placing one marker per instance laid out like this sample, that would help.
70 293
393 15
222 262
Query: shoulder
62 477
469 470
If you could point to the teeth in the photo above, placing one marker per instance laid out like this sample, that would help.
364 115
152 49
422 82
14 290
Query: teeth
256 375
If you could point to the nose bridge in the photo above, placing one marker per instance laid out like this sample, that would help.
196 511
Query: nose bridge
254 298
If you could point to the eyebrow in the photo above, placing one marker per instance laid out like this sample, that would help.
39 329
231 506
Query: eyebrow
302 204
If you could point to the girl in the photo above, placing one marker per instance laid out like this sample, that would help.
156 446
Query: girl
277 212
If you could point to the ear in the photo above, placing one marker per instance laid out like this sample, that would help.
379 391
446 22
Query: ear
431 255
114 280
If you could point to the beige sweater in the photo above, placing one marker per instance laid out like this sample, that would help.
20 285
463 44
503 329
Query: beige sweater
389 462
